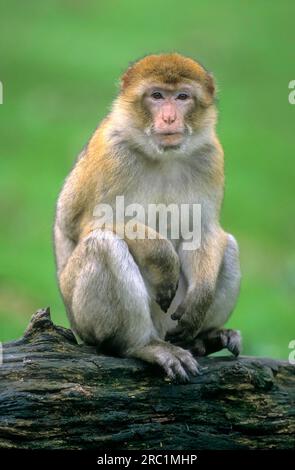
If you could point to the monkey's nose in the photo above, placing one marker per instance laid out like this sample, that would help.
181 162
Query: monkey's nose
169 114
169 118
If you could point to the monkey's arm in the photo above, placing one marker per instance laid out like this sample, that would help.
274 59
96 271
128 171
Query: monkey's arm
201 268
64 247
69 210
72 210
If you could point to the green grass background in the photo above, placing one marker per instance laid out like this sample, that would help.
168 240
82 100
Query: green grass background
59 65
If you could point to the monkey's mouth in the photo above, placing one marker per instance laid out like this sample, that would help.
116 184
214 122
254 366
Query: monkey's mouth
169 139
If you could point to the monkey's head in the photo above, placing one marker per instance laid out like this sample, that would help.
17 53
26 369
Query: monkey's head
166 102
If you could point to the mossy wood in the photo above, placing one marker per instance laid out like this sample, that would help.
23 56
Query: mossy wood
57 394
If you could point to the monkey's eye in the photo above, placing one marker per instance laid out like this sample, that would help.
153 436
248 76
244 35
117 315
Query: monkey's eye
182 96
156 95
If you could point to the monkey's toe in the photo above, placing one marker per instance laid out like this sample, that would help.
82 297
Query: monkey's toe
178 364
176 372
182 365
234 342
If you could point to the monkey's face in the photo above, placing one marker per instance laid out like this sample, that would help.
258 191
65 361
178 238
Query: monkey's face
169 112
166 103
170 118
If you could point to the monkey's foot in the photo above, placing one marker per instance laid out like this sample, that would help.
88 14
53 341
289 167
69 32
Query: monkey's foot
177 363
215 340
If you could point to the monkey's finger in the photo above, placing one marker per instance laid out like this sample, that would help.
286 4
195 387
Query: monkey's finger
177 314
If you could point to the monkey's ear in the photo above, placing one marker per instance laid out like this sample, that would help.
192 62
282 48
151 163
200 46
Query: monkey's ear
127 76
210 84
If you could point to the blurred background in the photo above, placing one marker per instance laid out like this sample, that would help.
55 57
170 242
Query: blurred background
59 66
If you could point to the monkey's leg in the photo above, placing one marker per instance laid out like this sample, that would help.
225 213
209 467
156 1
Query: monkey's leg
213 337
109 304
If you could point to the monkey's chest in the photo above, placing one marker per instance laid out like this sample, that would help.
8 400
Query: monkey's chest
164 185
168 203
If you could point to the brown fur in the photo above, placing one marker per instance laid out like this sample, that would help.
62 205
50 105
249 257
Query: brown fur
170 69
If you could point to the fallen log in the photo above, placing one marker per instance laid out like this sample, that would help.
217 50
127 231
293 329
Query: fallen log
58 394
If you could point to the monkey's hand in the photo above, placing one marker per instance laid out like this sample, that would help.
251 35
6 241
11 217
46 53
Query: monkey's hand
190 315
162 269
158 262
166 294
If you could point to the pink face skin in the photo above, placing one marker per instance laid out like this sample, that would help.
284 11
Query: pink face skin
168 108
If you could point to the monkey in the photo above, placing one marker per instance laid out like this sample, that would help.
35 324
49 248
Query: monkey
150 298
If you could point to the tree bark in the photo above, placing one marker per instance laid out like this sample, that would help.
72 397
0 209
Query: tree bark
57 394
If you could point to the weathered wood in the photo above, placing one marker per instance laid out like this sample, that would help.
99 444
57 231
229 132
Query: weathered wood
57 394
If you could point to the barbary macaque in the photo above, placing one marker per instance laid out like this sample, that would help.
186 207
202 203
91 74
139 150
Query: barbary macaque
150 297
